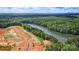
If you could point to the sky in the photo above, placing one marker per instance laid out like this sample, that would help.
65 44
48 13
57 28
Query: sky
39 9
39 6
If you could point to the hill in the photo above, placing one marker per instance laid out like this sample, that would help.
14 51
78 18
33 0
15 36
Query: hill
15 38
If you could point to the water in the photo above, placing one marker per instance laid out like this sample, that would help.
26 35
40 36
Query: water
54 34
3 19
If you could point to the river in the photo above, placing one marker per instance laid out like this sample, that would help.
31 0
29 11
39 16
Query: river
57 35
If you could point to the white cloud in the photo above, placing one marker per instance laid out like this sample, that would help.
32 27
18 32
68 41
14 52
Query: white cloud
39 10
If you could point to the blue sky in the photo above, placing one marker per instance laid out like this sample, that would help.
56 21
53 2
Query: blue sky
39 10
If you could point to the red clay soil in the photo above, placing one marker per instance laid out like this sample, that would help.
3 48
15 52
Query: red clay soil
1 34
2 31
25 43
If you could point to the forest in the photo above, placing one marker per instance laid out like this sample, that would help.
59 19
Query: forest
67 25
61 24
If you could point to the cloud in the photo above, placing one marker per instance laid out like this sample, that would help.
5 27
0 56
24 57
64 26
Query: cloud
39 10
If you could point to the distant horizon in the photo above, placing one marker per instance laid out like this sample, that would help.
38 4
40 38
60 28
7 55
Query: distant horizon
49 10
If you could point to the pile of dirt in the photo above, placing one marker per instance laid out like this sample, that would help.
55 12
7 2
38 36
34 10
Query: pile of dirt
15 38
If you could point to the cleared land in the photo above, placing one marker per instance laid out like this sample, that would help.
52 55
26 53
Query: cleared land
16 38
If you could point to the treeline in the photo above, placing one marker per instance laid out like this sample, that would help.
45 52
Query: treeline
71 44
68 27
38 33
7 24
60 24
